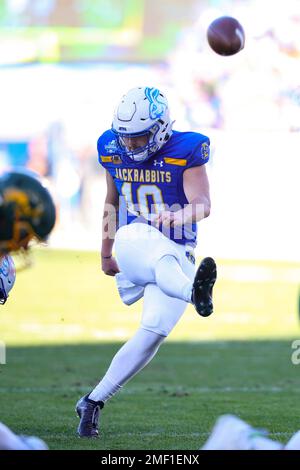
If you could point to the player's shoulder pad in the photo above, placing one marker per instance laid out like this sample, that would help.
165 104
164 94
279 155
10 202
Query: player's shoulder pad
106 147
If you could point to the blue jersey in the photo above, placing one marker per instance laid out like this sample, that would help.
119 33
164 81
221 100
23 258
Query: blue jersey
156 184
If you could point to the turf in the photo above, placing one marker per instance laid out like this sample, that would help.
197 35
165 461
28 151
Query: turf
172 404
64 298
64 322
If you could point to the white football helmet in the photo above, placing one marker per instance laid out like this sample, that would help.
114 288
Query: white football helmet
7 277
143 111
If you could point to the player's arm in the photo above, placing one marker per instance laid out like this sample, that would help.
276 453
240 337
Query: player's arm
109 226
196 189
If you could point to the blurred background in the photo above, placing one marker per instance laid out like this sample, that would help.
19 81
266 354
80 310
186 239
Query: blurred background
64 64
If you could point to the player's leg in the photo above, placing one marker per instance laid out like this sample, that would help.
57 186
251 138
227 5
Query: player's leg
160 314
232 433
138 248
171 279
146 256
10 441
133 356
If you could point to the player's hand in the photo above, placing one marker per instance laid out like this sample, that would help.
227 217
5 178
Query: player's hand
170 219
109 266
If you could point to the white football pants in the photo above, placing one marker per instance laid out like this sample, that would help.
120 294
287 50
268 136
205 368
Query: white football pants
139 248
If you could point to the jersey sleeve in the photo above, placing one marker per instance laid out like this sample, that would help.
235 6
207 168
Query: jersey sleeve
200 153
99 148
106 148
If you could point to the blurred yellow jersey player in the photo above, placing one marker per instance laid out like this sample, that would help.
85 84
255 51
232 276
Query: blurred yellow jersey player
27 212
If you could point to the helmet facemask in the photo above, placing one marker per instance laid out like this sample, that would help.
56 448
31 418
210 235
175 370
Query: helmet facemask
140 153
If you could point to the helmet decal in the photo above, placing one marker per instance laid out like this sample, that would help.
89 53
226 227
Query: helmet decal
22 200
157 108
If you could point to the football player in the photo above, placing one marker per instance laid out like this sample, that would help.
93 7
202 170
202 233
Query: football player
156 178
27 212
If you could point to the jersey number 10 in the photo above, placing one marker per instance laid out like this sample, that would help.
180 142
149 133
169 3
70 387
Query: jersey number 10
144 199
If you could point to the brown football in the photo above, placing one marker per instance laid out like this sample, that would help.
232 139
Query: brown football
226 36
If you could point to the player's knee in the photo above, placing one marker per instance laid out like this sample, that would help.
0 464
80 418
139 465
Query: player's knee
159 330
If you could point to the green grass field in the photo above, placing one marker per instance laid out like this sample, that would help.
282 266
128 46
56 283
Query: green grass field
64 321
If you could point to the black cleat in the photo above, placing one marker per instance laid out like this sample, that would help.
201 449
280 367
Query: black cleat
205 278
88 412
